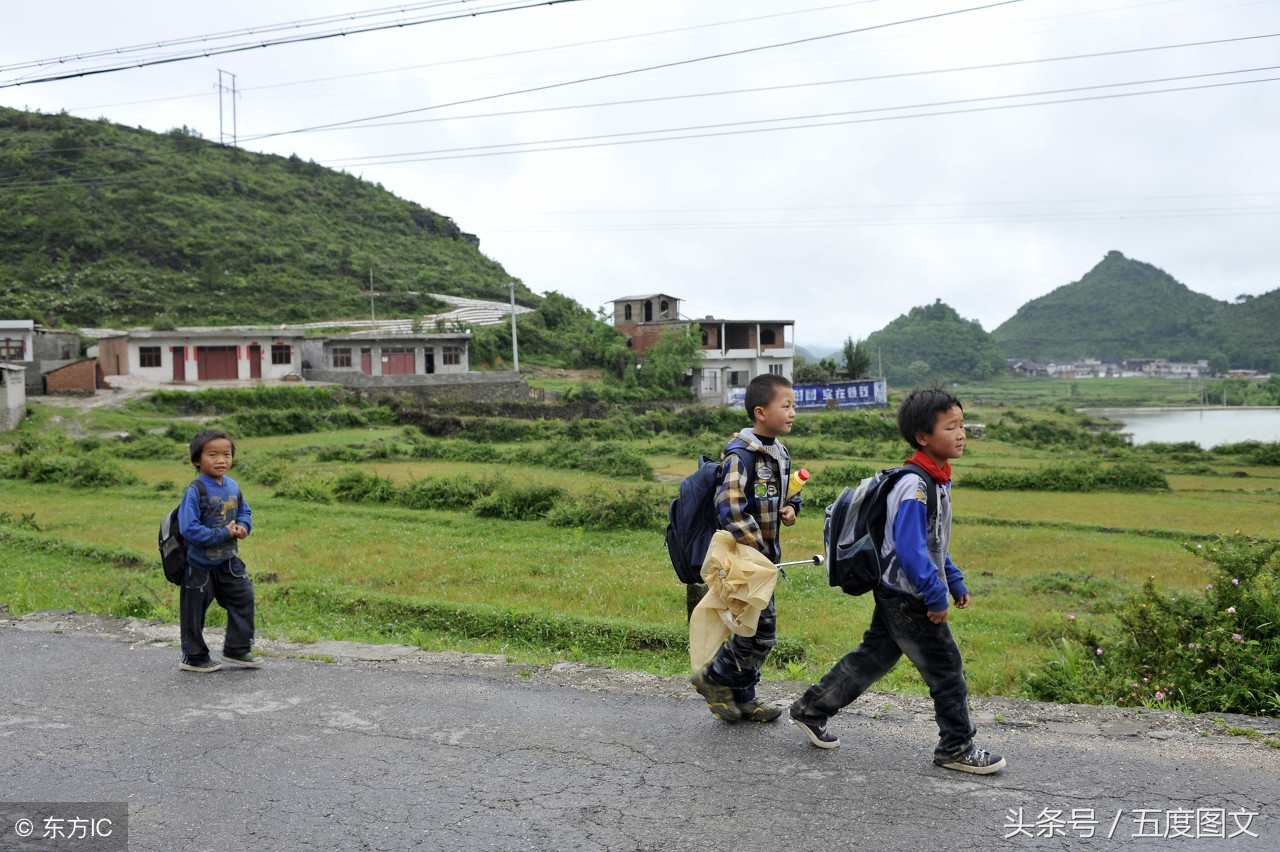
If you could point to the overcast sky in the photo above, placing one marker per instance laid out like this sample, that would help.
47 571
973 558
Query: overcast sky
833 163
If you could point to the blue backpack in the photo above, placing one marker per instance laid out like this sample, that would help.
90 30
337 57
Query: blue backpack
853 533
691 517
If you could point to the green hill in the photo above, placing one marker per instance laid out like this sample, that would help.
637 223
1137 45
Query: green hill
1124 308
102 224
935 343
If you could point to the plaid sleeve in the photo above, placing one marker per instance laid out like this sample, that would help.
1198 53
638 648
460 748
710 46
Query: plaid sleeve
731 503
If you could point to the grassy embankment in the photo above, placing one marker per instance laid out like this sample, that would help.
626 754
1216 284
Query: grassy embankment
450 579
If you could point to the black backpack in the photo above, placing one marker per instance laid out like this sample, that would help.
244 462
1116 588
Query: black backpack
691 517
853 532
173 549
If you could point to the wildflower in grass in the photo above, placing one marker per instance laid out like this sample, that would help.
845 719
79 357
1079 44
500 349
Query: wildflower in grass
1071 618
1144 680
1231 610
1235 581
1099 652
1209 587
1237 637
1159 695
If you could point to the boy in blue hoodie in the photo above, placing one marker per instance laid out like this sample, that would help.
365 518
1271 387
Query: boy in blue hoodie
213 517
911 610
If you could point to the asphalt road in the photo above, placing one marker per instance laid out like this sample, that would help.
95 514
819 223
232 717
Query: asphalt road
448 752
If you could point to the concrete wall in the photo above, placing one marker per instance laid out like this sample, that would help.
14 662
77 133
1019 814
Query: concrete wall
13 397
464 387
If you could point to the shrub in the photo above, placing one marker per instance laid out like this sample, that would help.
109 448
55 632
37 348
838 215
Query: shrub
606 510
510 502
1127 476
308 489
359 487
152 447
439 492
1218 650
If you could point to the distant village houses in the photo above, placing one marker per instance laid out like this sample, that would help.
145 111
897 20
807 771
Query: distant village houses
1094 368
428 364
41 351
734 351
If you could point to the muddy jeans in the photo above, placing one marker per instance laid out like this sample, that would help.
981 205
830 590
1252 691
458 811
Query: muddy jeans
737 664
229 585
900 625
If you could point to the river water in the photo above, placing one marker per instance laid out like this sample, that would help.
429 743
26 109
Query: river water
1208 427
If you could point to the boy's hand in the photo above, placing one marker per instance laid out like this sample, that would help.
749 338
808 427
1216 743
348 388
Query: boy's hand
939 617
962 601
788 515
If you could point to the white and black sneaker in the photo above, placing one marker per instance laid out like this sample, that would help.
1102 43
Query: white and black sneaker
817 734
202 666
976 760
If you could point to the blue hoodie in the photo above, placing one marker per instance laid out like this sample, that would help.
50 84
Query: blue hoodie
204 528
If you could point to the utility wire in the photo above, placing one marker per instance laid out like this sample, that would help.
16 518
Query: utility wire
616 74
209 37
789 86
239 48
753 90
694 132
677 63
742 127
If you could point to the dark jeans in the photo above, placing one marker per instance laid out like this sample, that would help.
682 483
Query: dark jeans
737 664
899 626
229 585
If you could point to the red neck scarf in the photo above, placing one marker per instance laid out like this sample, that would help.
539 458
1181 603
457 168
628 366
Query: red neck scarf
941 474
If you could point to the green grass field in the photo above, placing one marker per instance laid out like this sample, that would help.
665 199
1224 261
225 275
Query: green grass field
537 593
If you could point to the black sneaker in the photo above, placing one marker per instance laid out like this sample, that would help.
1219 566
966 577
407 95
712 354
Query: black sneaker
203 667
817 734
719 698
755 711
246 659
976 760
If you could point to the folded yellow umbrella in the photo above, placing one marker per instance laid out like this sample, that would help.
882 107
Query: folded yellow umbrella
740 582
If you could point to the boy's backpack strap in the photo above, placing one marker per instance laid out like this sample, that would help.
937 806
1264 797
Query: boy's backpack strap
930 492
202 492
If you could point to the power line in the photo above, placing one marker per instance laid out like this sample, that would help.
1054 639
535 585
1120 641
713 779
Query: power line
789 86
674 64
491 56
739 128
239 48
623 138
208 37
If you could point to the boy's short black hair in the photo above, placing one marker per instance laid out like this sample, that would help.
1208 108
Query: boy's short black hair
761 390
202 438
919 411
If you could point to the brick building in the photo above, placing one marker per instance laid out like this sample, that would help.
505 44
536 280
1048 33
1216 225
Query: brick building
78 378
733 351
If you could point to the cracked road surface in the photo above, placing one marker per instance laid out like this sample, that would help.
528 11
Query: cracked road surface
459 752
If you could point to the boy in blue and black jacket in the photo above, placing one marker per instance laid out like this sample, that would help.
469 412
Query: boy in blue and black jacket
753 504
213 517
911 610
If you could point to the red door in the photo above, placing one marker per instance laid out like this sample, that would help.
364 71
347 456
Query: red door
397 361
366 361
216 362
255 361
179 363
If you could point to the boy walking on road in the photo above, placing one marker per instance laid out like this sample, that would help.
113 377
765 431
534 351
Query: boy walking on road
911 610
213 517
752 502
